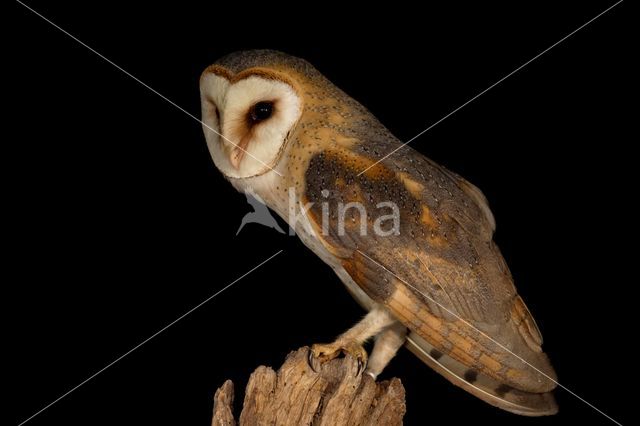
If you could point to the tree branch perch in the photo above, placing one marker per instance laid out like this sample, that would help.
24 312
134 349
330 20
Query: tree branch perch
305 392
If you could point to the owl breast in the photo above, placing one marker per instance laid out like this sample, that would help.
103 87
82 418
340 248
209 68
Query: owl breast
309 238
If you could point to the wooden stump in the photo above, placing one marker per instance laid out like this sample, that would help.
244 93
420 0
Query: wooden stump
333 393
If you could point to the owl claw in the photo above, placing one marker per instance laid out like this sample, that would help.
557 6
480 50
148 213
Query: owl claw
327 352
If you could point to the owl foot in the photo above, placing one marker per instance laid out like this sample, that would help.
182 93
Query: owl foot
326 352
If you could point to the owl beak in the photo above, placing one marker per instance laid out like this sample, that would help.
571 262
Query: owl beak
238 151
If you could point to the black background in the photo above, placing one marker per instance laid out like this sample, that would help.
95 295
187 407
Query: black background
117 222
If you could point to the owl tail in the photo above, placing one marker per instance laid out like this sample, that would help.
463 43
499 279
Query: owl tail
488 389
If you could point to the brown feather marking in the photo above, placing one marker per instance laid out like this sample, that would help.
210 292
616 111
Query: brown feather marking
466 273
526 325
414 187
458 342
427 218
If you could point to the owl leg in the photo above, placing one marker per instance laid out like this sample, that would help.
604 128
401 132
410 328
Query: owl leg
387 344
351 341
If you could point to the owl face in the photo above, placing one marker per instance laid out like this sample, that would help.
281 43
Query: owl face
247 118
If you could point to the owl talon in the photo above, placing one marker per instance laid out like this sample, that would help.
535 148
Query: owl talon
311 360
327 352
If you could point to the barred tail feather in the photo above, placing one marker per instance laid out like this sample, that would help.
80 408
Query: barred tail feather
488 389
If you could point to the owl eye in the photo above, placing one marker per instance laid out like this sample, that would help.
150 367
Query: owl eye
261 111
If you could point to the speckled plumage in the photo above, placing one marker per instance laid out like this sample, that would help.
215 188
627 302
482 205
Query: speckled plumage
442 276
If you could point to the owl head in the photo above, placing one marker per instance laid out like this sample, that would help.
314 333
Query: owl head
251 103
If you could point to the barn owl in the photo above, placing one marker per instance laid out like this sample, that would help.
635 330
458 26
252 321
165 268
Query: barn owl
278 128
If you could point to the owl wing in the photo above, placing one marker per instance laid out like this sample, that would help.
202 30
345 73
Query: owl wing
435 268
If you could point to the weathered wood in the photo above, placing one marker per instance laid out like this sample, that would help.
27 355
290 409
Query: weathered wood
306 392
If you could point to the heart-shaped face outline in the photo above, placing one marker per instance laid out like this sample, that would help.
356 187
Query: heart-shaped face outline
221 141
